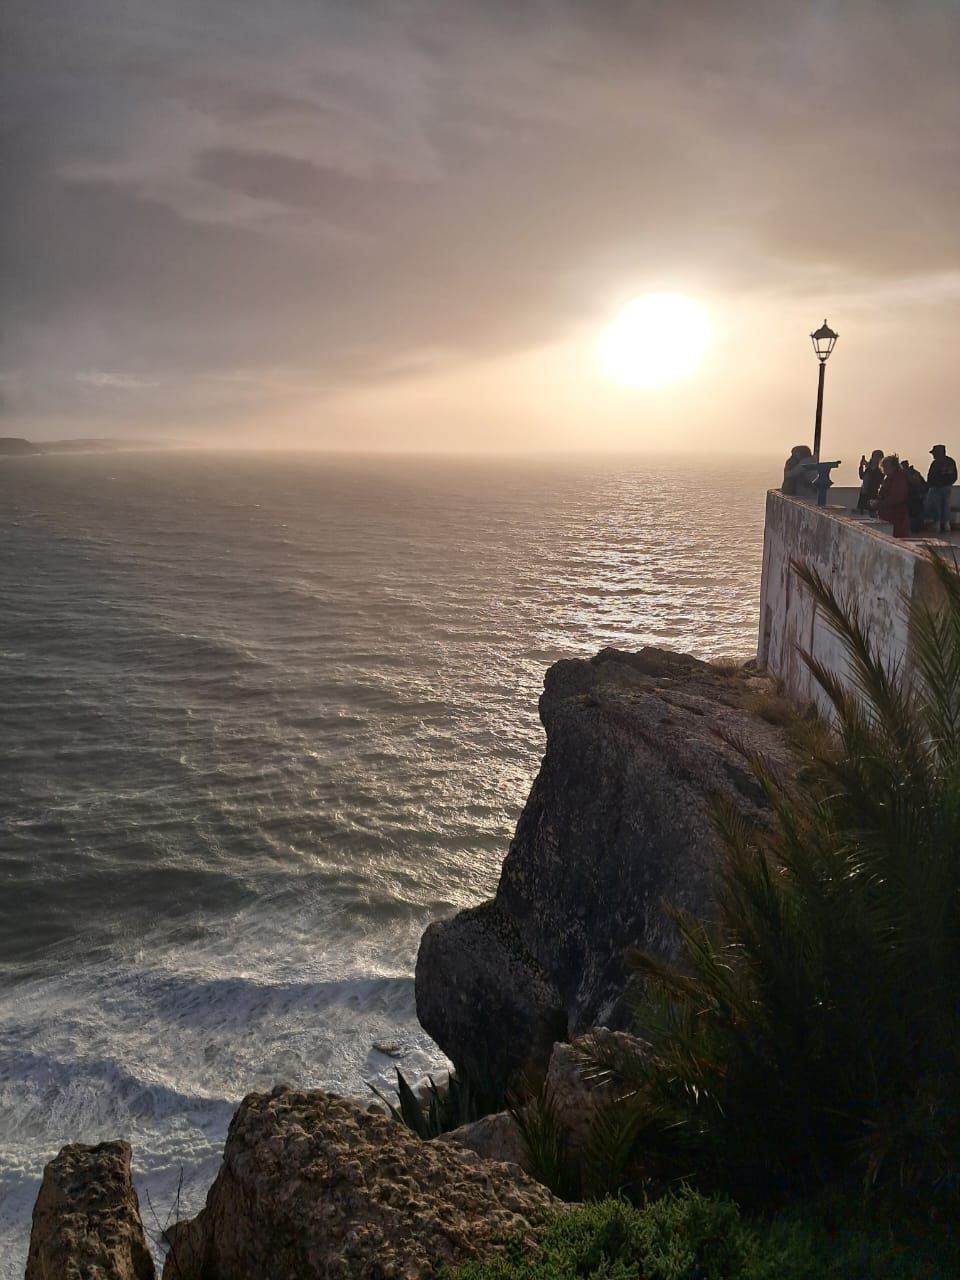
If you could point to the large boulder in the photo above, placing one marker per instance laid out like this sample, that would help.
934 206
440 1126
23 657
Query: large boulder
313 1187
86 1222
618 822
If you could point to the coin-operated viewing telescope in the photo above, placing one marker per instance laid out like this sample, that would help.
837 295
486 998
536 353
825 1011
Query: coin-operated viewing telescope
823 482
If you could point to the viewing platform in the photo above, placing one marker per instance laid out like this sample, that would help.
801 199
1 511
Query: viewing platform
867 567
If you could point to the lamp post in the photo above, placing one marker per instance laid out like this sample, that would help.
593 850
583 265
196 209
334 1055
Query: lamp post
824 340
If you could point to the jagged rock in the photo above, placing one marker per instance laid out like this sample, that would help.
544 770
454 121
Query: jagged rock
617 823
312 1186
494 1137
86 1222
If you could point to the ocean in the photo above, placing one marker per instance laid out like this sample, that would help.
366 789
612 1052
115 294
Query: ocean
262 718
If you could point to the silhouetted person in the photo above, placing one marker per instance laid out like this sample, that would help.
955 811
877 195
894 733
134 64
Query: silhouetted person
916 495
870 479
893 496
941 478
799 472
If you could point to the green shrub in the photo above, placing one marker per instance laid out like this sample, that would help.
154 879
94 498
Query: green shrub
686 1236
814 1028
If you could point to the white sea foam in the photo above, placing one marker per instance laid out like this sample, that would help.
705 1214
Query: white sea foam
160 1046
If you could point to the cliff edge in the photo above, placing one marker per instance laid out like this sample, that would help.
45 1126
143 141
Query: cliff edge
616 824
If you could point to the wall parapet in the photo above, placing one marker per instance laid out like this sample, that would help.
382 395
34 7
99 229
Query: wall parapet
867 567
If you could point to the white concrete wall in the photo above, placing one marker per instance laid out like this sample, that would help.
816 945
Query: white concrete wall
865 565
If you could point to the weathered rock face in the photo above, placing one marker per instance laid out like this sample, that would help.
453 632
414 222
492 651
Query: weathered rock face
476 972
312 1186
86 1222
616 824
494 1137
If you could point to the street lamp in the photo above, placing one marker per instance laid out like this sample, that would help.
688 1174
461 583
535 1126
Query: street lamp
824 340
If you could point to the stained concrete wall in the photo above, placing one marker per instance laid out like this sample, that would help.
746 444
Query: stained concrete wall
864 564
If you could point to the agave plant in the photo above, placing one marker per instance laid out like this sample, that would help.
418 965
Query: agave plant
813 1028
467 1096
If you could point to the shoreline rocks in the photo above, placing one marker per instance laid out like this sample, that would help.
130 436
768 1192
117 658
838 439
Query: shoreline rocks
495 1137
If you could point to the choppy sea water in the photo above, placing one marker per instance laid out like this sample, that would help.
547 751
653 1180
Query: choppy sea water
262 718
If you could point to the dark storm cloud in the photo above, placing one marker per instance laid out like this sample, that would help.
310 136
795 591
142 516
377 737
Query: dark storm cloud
208 197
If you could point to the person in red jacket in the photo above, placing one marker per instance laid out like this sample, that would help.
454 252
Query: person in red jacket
893 498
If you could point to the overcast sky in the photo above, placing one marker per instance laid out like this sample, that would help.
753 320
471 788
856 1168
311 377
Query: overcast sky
401 224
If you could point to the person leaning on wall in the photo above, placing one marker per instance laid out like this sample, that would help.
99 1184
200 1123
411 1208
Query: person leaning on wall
799 471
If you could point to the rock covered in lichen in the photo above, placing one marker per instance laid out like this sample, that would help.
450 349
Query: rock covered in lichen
86 1221
313 1186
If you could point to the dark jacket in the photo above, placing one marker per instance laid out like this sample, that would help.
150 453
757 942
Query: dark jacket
916 491
870 483
942 471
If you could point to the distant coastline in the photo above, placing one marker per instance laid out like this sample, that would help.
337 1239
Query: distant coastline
18 446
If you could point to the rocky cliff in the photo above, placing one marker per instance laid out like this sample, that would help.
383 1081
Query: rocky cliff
312 1186
617 823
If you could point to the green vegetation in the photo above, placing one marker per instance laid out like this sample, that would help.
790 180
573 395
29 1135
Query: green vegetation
813 1031
603 1164
467 1096
547 1143
686 1236
773 708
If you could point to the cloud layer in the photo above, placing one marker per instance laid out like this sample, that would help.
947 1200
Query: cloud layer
223 210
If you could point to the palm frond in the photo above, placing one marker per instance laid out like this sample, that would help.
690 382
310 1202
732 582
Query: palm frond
799 1035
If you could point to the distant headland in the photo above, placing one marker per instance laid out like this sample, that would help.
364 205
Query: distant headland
17 445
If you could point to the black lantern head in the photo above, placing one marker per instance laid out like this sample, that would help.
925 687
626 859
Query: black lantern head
824 340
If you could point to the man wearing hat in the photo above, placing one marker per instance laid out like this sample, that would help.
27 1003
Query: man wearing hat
941 478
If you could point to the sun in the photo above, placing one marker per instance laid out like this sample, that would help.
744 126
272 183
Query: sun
656 339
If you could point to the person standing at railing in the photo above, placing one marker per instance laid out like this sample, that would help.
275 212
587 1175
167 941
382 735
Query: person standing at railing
870 479
941 478
893 498
916 495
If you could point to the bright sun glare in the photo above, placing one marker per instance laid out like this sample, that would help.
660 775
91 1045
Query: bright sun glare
656 339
